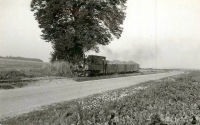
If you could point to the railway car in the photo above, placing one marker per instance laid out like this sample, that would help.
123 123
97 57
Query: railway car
98 65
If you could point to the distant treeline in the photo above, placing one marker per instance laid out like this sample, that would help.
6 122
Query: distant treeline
22 58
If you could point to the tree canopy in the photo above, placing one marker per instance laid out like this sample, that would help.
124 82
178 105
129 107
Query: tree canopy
77 26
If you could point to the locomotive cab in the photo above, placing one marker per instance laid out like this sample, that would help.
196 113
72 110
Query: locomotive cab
91 65
96 64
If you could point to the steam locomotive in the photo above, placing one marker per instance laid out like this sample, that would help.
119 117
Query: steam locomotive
98 65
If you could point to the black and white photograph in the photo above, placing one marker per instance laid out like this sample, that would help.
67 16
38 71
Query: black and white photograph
99 62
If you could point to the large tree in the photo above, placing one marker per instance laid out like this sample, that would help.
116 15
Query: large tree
76 26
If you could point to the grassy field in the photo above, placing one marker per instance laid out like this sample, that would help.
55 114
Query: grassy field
19 64
13 69
16 70
169 101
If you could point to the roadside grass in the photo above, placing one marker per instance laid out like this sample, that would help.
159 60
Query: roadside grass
169 101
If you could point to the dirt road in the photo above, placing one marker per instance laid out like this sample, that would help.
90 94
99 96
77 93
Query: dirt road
22 100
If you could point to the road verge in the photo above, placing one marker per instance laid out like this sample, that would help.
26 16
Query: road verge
172 100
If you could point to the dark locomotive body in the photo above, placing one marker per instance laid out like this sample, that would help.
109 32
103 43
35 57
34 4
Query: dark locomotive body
98 65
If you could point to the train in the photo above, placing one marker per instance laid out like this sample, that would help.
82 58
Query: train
98 65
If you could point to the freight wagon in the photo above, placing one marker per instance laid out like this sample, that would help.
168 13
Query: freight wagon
98 65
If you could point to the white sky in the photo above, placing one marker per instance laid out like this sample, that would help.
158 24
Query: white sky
157 33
